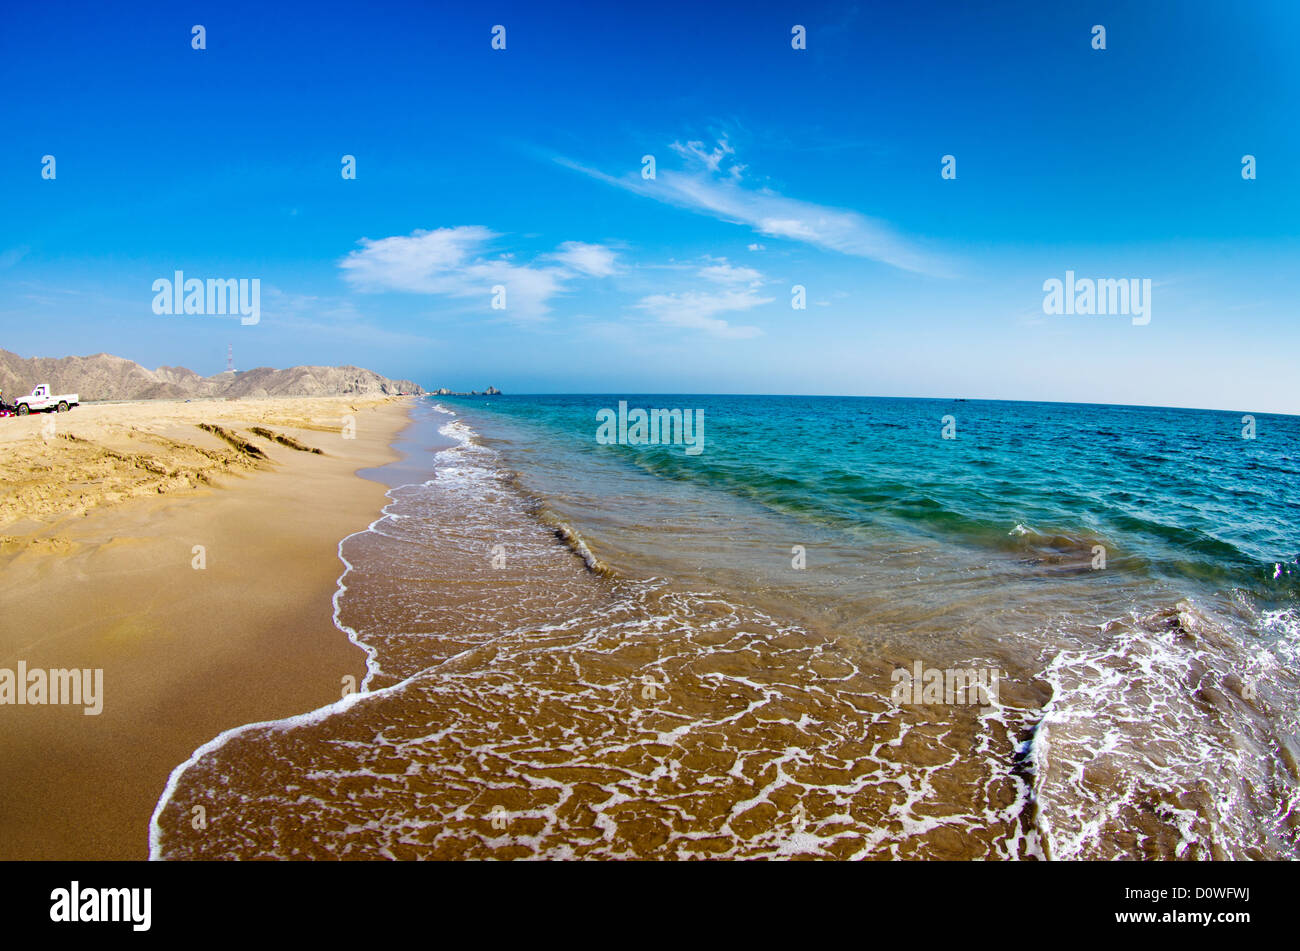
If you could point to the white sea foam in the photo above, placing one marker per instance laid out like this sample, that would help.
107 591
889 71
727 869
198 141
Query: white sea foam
1120 756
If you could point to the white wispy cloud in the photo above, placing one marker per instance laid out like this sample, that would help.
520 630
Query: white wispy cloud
594 260
710 184
724 273
713 159
457 262
699 310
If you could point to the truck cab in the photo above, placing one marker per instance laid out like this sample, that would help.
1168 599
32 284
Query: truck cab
40 399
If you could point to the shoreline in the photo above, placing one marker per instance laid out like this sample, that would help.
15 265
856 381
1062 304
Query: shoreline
105 576
413 460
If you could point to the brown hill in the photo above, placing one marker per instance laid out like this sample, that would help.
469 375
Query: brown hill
106 377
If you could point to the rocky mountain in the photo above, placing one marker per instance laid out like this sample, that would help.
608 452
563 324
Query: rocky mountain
106 377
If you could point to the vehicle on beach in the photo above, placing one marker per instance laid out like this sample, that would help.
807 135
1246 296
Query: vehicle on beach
39 400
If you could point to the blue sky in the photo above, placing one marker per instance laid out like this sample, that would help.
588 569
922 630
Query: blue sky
775 167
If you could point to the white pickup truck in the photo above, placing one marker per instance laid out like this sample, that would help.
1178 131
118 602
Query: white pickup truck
39 400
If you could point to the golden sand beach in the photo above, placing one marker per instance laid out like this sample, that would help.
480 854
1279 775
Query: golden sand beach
195 566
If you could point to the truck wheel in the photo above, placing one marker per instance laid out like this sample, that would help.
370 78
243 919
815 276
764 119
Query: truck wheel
22 409
63 407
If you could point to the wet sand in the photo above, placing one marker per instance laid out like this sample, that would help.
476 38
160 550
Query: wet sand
98 523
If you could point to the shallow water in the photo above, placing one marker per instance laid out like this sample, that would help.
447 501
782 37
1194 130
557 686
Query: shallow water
579 649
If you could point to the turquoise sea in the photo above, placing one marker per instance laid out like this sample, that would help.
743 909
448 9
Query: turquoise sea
1176 495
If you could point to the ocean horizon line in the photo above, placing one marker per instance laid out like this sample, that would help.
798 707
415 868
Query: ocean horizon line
850 396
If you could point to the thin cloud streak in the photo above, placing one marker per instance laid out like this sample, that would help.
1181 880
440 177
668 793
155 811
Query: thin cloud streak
773 215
